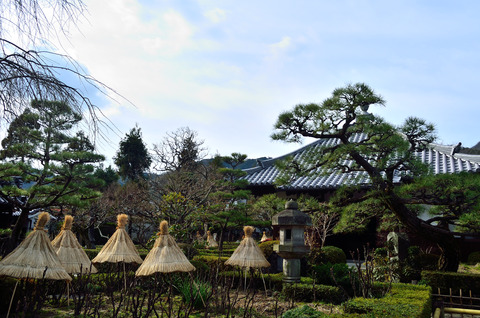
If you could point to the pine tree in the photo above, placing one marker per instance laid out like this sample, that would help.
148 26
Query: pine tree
44 164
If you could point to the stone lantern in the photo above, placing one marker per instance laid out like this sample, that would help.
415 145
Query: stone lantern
291 224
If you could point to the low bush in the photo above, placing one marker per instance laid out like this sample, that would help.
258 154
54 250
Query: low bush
304 311
267 247
200 266
403 300
272 281
92 253
455 281
212 261
342 275
312 292
194 292
327 254
473 258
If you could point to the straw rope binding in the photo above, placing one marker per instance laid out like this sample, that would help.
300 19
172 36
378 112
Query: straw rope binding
122 220
248 230
67 225
163 228
43 219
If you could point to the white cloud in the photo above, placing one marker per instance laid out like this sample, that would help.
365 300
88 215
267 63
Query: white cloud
222 70
216 15
278 49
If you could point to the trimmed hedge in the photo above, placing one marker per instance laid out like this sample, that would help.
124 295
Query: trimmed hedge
305 293
267 247
304 311
212 261
455 281
272 281
327 254
403 300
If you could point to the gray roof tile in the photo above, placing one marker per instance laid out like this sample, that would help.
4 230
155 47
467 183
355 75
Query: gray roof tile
437 156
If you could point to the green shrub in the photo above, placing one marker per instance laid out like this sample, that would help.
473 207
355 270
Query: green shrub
267 247
304 311
92 253
195 292
455 281
328 254
323 274
310 292
200 266
272 281
334 255
212 261
403 300
473 258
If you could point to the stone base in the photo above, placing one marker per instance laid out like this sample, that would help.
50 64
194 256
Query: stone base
291 270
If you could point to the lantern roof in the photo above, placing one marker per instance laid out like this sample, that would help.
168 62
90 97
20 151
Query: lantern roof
291 216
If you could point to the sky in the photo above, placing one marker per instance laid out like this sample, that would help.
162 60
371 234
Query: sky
227 69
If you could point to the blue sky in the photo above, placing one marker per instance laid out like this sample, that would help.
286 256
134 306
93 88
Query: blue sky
227 69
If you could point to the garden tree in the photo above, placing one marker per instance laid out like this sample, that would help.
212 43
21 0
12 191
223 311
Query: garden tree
179 150
133 161
324 220
28 73
186 182
54 167
228 205
132 158
266 206
383 152
185 216
108 175
91 217
133 199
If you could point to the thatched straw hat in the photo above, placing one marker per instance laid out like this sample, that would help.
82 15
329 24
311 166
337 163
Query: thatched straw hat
165 256
248 254
210 240
70 252
119 247
35 256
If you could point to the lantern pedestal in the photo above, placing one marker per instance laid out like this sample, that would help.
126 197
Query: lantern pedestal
291 270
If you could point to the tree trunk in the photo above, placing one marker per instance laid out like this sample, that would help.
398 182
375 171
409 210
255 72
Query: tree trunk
15 237
450 257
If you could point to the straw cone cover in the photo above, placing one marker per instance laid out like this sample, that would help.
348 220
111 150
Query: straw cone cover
248 254
119 248
165 256
70 252
264 237
34 256
210 240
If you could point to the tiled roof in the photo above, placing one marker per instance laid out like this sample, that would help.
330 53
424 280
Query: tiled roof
437 156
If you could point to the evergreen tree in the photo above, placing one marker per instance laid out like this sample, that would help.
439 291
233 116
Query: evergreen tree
132 159
54 167
384 152
228 205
